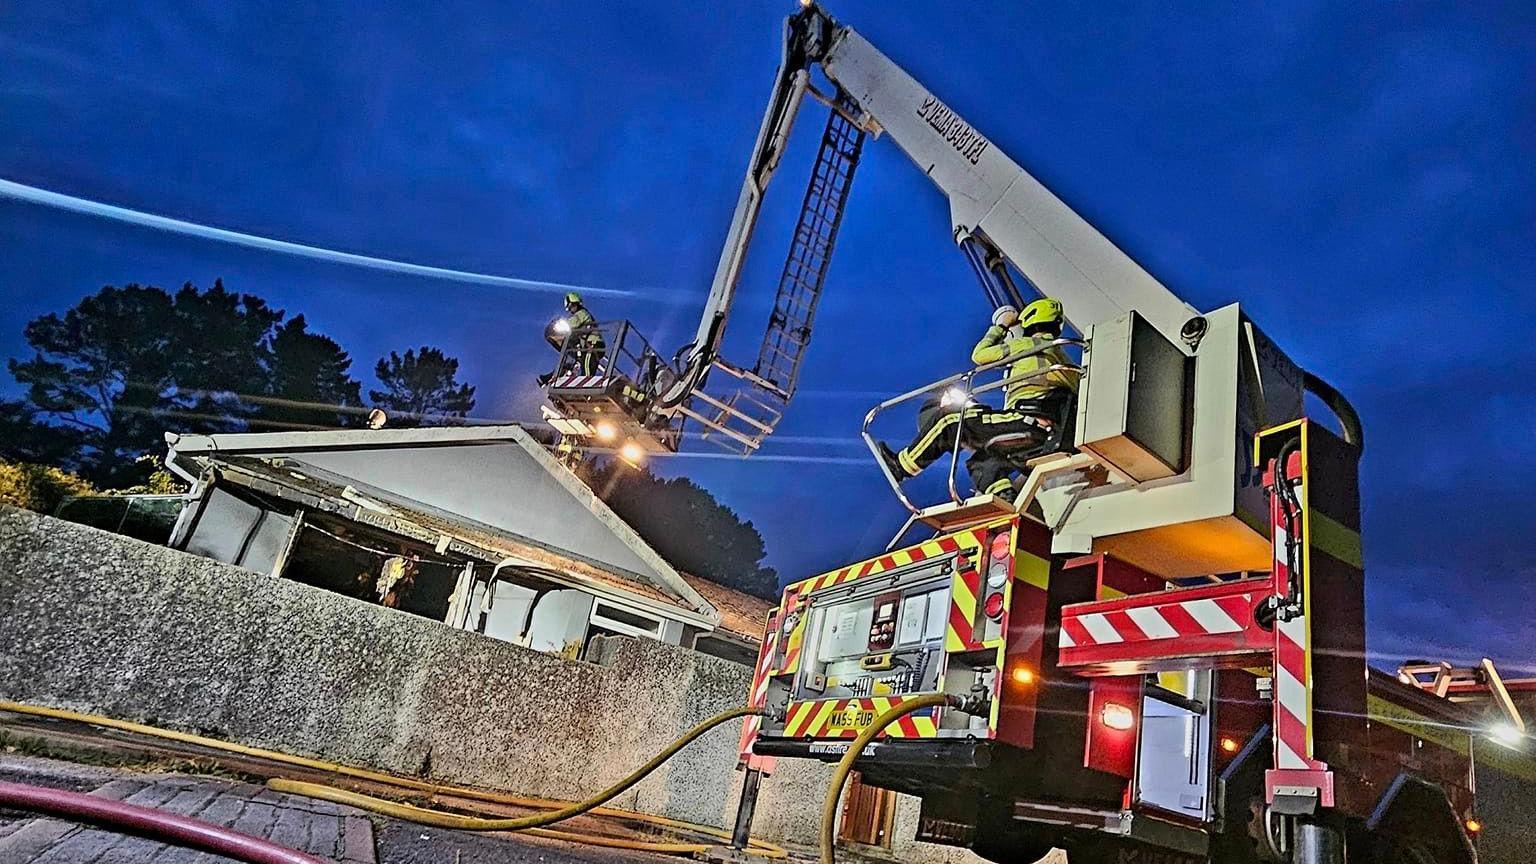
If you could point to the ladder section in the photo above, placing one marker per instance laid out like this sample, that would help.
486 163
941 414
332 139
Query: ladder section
739 418
740 421
810 254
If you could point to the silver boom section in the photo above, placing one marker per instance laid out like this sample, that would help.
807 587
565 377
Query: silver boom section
991 197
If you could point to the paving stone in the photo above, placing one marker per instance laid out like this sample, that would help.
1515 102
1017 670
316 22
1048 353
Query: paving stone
292 828
223 810
154 795
357 841
324 834
183 855
190 800
257 819
80 847
33 838
120 790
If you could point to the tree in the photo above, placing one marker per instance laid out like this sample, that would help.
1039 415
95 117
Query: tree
219 358
38 487
307 381
24 437
104 370
112 374
687 526
422 388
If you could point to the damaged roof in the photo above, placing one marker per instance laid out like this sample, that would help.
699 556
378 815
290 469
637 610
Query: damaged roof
741 614
492 491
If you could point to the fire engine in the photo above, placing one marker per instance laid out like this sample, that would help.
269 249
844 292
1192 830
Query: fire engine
1156 650
1159 645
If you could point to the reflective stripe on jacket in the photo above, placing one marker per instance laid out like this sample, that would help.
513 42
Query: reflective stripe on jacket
997 345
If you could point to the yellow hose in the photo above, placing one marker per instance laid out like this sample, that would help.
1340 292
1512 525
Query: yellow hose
519 823
432 817
845 765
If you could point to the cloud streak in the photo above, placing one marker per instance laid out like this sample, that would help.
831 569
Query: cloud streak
60 201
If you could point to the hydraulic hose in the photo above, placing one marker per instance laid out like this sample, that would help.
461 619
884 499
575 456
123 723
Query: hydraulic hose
157 824
518 823
757 847
829 807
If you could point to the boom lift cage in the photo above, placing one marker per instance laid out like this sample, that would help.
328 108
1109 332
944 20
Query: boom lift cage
602 387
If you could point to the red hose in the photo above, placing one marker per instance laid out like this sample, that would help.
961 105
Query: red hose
157 824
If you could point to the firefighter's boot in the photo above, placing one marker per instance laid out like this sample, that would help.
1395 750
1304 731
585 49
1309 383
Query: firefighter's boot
892 461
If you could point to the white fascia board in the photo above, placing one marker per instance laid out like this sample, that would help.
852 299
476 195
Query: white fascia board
334 439
674 582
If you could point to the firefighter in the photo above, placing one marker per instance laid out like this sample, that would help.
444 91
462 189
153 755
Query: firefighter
578 335
1035 400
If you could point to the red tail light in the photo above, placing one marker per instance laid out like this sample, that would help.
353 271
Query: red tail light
994 606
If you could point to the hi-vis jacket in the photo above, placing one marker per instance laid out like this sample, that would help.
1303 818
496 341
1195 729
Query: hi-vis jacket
998 344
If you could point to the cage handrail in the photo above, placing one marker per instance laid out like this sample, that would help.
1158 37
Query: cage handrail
967 376
620 330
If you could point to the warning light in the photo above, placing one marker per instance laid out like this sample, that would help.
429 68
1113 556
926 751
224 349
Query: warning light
1116 716
1474 826
562 327
994 606
605 430
1002 544
1507 734
632 452
1022 675
1229 745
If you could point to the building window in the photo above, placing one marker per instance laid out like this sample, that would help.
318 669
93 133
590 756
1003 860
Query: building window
625 621
610 620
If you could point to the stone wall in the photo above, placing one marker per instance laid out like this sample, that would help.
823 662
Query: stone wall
101 623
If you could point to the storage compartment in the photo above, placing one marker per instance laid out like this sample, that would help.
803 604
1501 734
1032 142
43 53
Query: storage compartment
1173 760
1132 409
877 641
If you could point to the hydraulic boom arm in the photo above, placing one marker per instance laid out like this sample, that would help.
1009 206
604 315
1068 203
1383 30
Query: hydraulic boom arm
998 211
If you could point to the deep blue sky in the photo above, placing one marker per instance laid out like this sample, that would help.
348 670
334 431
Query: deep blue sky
1361 176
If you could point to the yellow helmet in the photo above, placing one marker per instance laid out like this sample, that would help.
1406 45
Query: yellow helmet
1042 313
572 301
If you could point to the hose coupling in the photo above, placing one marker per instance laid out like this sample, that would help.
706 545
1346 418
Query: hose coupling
975 704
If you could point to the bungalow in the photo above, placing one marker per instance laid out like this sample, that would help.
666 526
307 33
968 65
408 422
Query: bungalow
476 526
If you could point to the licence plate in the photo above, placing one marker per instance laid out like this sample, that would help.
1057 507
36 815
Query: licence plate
851 718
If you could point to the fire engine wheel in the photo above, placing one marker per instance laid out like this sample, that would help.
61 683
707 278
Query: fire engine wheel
1402 850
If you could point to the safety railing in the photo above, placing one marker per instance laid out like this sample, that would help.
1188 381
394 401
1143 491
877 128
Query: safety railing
960 385
607 351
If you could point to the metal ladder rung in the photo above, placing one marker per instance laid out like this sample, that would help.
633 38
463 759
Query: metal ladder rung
726 409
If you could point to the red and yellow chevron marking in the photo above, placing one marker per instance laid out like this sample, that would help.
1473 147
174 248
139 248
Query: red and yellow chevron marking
950 543
846 718
964 600
759 697
793 605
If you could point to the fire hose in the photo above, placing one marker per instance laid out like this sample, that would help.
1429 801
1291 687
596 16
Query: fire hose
442 819
829 806
532 824
156 824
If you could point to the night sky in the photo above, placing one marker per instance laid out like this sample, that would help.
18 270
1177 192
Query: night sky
1362 177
